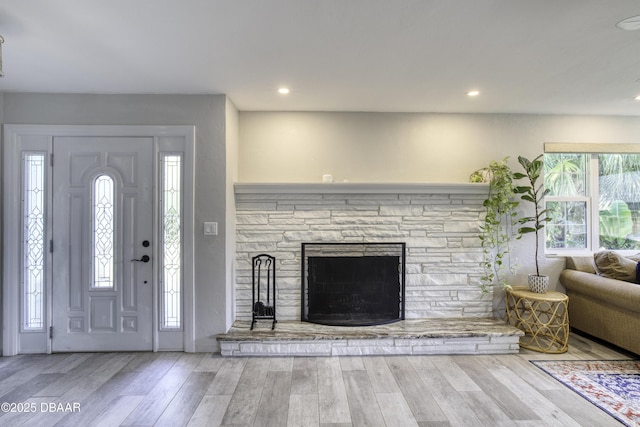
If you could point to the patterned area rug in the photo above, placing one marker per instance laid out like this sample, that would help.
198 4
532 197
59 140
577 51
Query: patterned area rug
612 385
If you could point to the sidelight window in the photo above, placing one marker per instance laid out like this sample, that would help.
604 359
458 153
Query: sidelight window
33 208
171 235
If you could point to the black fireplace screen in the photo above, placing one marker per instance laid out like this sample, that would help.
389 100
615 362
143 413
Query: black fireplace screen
353 284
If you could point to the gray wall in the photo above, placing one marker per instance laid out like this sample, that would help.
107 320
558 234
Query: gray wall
411 147
208 114
232 138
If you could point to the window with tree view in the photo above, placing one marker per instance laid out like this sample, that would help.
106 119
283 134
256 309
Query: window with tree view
594 201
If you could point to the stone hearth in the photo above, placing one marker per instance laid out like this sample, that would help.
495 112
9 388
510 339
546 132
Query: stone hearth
407 337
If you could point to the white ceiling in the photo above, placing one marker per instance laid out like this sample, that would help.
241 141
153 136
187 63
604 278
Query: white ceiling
525 56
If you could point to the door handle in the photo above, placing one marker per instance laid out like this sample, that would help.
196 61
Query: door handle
145 258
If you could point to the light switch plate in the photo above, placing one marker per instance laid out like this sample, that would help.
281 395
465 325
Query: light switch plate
211 228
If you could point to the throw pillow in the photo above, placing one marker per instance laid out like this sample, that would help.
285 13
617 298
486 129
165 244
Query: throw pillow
614 266
634 257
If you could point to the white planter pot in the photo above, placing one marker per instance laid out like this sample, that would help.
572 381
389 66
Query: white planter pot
538 284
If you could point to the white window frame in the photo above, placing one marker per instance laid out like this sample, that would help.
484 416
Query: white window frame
589 224
592 195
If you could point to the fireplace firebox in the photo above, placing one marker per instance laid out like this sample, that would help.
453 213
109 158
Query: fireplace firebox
353 284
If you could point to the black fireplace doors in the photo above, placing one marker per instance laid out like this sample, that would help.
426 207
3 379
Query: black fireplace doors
353 284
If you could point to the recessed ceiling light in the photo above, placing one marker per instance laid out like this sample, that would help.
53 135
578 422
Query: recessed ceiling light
637 98
283 90
629 24
473 93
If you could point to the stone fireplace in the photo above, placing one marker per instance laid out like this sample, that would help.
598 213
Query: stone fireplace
352 284
438 223
445 311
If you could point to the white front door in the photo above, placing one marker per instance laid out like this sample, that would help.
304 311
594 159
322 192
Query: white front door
102 280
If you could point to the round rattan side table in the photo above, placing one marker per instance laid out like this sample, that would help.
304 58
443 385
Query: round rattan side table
543 317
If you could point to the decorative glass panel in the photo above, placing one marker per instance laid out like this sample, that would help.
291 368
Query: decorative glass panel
171 242
34 241
103 232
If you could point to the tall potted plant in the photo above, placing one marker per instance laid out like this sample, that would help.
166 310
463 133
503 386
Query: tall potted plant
534 193
500 223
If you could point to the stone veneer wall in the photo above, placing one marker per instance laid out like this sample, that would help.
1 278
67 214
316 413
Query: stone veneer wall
443 264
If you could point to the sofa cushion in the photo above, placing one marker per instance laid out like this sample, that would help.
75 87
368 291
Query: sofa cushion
581 263
615 266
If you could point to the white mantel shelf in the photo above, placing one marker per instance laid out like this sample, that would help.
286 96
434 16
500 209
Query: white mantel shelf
360 188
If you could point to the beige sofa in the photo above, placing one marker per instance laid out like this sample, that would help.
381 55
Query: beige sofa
606 308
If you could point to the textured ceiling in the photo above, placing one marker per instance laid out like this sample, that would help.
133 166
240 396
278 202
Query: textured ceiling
543 56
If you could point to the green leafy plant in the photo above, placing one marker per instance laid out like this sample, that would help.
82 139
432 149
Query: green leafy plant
534 192
616 225
500 223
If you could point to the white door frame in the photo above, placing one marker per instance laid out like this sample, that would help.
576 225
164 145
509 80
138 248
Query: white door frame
166 138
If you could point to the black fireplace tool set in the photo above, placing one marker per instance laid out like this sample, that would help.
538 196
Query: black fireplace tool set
263 289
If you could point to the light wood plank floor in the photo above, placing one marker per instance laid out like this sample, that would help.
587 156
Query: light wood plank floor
178 389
